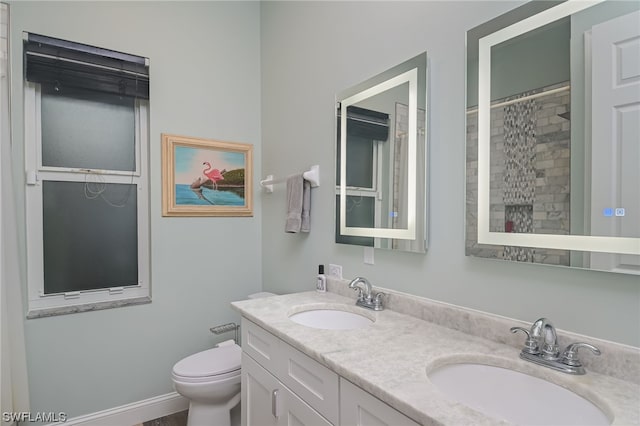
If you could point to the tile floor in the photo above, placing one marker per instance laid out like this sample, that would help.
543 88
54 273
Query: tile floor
180 419
176 419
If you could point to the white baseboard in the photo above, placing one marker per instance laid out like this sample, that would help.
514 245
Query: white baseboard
134 413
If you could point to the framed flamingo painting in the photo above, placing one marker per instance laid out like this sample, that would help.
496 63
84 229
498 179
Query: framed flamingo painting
204 177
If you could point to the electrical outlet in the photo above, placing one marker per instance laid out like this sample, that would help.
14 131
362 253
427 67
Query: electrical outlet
368 256
335 270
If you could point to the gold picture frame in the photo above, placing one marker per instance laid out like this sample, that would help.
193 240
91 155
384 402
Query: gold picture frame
205 177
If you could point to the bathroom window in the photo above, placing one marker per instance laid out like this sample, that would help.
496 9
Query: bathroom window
86 149
368 134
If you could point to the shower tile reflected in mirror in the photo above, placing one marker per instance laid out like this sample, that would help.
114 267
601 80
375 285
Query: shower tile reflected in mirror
530 172
553 127
400 164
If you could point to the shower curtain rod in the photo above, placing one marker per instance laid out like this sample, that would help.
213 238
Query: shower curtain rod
525 98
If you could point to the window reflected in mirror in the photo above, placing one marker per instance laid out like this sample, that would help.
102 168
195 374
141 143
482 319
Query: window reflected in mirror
381 150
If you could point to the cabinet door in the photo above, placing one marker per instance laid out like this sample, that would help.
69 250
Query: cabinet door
258 396
295 412
359 408
268 402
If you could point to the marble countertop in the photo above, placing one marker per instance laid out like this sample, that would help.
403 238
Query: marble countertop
390 359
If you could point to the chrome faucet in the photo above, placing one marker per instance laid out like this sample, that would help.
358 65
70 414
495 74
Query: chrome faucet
544 333
541 347
365 297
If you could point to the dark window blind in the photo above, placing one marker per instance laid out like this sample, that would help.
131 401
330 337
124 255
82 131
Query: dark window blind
60 63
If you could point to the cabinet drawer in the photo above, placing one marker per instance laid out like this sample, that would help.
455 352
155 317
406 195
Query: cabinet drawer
261 345
313 382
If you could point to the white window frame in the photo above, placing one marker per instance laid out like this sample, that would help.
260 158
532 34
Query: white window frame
41 304
376 183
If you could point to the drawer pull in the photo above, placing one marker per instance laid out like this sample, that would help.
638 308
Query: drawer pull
274 403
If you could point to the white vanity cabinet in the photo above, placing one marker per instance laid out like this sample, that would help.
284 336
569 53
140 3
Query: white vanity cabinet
283 386
268 402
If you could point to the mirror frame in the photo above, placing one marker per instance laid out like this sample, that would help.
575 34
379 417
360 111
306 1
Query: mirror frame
406 72
621 245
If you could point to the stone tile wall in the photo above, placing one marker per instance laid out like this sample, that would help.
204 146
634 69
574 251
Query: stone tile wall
530 174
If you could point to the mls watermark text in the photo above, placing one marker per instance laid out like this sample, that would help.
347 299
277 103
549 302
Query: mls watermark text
29 417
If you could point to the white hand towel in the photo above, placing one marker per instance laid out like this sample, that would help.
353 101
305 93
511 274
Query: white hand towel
294 203
306 207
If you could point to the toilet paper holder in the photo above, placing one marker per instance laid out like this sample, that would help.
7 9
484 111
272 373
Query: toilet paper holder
225 328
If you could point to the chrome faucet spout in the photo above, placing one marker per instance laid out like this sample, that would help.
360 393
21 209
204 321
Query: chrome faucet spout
537 329
366 298
545 335
366 291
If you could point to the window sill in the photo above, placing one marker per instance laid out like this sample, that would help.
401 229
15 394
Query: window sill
76 309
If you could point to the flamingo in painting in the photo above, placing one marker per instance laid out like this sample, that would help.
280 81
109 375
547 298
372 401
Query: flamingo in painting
214 174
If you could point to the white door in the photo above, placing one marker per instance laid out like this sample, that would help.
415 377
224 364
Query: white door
615 185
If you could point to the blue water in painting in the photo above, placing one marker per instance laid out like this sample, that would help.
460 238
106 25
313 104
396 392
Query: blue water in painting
186 196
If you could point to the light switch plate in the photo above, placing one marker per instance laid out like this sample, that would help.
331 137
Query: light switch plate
368 256
335 271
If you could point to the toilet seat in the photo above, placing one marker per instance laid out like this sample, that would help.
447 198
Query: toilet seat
206 379
211 365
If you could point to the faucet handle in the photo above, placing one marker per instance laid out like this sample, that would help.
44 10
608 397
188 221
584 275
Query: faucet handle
530 345
377 301
570 355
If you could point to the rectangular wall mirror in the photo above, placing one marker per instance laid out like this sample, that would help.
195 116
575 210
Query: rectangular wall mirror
553 135
381 160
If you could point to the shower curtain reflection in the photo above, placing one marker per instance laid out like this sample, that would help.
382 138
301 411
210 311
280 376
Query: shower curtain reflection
400 172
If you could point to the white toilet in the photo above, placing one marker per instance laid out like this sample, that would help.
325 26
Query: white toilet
211 381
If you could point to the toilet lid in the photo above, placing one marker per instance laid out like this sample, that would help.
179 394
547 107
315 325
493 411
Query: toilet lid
211 362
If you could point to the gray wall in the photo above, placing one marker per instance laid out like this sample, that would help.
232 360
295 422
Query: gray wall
205 82
313 50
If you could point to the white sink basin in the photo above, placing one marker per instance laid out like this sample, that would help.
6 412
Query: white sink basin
331 319
515 397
